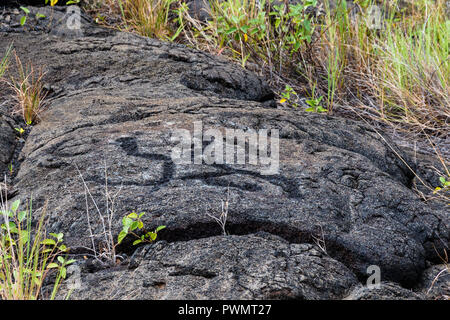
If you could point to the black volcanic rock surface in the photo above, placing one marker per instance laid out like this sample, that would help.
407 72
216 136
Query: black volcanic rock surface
115 99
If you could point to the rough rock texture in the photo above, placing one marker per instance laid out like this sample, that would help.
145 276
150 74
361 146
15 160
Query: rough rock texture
7 143
259 266
115 99
199 9
387 291
435 282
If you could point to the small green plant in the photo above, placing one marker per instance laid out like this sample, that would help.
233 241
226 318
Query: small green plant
61 266
99 19
445 185
20 131
133 222
27 256
24 18
40 16
10 168
314 105
290 96
294 24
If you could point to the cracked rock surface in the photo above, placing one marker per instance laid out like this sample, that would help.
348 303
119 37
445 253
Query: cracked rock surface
115 99
257 266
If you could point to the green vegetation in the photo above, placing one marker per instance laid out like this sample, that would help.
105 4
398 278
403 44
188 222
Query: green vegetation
27 256
246 30
400 72
289 95
133 222
148 18
314 105
24 18
28 87
445 186
396 72
5 61
20 131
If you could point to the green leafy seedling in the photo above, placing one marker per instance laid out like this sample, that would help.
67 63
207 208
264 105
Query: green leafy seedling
24 18
314 105
445 185
20 131
133 222
289 95
61 264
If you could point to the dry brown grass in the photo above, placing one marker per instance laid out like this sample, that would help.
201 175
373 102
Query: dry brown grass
29 93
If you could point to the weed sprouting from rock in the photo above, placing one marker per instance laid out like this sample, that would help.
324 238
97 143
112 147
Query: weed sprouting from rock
29 91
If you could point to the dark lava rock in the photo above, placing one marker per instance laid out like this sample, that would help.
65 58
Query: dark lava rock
435 282
255 266
7 142
16 3
115 100
199 9
386 291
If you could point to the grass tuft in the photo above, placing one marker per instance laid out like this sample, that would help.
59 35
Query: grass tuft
29 93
